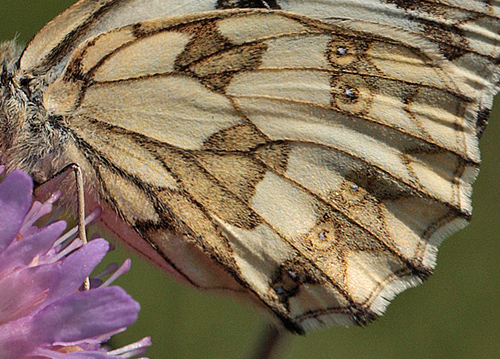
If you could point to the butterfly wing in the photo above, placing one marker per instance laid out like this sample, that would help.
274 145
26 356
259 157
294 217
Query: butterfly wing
52 46
312 167
460 29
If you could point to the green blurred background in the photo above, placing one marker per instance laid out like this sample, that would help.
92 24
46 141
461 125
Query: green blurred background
455 314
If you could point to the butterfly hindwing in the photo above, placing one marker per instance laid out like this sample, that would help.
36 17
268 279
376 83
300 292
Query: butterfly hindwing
310 165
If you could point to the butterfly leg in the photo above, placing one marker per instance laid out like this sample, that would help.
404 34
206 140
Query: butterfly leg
53 182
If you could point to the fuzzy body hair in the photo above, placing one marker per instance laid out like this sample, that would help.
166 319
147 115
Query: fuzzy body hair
30 139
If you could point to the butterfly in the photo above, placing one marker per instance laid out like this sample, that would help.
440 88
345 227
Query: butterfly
307 155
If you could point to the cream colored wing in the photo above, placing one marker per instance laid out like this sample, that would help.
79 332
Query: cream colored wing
464 32
460 29
309 166
52 46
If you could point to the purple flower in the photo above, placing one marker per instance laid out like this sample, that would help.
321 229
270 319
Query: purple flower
43 311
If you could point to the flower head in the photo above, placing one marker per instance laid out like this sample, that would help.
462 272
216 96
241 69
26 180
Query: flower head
43 312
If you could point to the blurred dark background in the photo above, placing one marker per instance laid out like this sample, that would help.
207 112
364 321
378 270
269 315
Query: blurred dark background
455 314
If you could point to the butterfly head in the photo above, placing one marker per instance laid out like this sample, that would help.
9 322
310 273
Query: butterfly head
24 134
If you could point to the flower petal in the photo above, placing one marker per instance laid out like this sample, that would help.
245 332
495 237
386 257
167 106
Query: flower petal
46 353
25 291
14 339
78 266
15 202
84 315
23 251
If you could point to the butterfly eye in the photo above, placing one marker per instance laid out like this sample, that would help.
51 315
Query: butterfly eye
24 81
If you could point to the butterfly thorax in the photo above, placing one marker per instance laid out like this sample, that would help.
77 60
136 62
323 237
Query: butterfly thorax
29 137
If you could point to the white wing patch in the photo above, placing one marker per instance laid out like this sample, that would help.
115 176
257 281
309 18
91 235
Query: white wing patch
185 120
154 55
